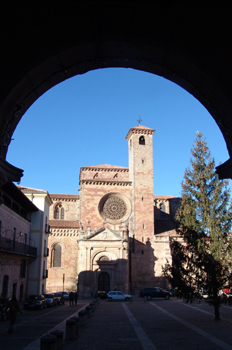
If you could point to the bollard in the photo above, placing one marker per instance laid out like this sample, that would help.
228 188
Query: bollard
70 333
82 317
88 309
59 338
77 324
145 299
93 306
48 342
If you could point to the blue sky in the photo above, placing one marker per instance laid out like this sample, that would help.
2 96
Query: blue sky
84 121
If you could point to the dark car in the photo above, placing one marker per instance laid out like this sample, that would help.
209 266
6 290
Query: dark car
65 295
4 308
35 302
102 294
60 298
50 300
150 293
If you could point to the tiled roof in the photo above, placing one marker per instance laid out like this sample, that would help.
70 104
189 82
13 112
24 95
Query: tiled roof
30 190
64 196
155 196
141 127
105 166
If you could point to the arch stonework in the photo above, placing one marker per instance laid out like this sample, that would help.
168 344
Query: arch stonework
184 42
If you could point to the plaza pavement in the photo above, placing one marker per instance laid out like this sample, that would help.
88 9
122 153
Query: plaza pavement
151 325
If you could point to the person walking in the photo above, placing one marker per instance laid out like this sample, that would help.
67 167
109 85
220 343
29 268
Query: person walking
71 298
76 295
13 308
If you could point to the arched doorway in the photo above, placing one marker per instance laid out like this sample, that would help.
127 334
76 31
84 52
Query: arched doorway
104 282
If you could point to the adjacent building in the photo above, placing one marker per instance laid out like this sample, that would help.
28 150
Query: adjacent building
18 249
37 270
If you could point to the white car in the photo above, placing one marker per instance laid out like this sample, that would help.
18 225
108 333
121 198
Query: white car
117 295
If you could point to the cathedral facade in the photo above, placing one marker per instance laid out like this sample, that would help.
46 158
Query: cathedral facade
116 233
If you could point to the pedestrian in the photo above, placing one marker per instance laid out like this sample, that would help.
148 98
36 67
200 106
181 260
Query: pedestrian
71 298
76 295
13 309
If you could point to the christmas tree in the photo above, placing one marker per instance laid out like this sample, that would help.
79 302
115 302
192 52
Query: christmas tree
204 257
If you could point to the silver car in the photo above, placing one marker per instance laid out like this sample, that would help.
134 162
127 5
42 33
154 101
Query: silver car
118 295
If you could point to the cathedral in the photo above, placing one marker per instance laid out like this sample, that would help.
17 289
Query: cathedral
114 234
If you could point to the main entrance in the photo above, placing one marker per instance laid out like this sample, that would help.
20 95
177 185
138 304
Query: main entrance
104 282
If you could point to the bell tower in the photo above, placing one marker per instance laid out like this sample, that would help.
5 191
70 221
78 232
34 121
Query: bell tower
141 227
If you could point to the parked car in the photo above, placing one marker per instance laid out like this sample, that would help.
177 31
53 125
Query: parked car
35 302
59 297
118 295
150 293
3 308
102 294
50 300
65 295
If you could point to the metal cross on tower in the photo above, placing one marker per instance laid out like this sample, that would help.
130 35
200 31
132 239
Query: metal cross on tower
139 120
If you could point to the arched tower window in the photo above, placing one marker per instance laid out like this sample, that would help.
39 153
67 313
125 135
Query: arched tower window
142 140
56 256
59 212
162 211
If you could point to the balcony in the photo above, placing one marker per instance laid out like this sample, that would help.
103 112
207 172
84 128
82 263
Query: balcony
12 246
46 252
45 273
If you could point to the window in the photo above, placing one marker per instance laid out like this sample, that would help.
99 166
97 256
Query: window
162 211
142 140
14 292
23 268
56 256
59 212
21 293
5 286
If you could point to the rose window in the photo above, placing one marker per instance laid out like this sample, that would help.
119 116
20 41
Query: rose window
114 208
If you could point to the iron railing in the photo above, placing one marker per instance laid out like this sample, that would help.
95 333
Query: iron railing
12 246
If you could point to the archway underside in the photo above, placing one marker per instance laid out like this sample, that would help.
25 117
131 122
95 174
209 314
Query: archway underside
186 43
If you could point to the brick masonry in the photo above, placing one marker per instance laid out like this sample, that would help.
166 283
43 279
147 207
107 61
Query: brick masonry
109 230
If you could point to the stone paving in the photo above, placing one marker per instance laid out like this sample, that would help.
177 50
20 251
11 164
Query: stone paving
140 325
155 325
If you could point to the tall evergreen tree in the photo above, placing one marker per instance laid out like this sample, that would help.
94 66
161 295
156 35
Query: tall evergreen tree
204 216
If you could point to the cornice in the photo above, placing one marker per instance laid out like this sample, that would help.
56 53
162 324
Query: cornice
71 232
139 131
161 200
105 182
58 199
115 170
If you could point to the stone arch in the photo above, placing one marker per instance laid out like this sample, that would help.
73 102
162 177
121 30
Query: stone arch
56 256
142 140
108 37
100 253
